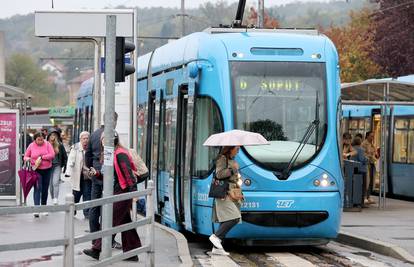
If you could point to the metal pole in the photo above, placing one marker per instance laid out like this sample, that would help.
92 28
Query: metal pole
133 89
109 131
150 232
69 253
182 18
97 85
260 14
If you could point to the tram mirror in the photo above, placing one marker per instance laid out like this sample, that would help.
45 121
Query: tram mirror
192 69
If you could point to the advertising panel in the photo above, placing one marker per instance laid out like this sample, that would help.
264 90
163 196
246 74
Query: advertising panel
9 153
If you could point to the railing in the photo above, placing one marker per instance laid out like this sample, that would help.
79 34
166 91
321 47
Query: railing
69 241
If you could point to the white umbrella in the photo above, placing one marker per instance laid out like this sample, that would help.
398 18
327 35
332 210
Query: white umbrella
236 138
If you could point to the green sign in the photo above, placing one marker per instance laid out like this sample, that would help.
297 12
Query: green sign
67 111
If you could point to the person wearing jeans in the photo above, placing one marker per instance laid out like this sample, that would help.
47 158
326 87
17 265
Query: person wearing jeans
58 162
40 153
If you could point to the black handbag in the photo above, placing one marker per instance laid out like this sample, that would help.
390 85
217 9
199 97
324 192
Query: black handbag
218 188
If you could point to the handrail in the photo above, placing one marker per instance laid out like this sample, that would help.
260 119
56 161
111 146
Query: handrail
70 240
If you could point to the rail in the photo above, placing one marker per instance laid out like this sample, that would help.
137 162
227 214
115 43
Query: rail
69 241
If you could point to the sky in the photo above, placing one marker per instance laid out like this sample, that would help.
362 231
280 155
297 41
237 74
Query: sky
23 7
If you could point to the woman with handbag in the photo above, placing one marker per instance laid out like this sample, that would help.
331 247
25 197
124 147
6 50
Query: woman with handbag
40 153
226 211
78 172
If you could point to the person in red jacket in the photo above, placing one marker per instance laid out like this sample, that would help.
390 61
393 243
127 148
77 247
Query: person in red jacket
40 153
123 182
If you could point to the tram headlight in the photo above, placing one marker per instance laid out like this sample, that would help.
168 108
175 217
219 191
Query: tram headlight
324 183
316 182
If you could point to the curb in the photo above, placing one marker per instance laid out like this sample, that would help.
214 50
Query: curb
377 246
182 245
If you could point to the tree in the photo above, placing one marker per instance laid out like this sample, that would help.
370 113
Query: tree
394 37
270 130
355 43
268 22
22 72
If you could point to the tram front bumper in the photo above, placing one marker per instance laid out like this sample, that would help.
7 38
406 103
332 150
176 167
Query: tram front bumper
290 215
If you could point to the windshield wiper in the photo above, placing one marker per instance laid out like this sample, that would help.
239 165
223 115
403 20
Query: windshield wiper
312 126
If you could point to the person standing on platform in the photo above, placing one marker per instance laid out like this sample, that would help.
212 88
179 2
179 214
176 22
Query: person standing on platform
124 182
226 211
360 157
58 162
347 150
76 169
94 163
40 154
371 155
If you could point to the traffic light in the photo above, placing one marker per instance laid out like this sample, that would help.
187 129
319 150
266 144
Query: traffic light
122 69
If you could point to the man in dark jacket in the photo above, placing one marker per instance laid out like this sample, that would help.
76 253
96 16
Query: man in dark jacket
93 159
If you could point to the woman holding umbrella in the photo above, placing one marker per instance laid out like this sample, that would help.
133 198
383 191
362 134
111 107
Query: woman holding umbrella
40 153
226 211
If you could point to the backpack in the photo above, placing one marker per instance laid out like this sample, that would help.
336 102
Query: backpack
141 172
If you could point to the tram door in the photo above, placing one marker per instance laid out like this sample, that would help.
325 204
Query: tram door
183 157
152 147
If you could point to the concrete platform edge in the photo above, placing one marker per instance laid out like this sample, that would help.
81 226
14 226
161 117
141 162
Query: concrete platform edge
376 246
182 245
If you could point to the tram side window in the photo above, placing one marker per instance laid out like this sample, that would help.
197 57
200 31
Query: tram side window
403 141
207 122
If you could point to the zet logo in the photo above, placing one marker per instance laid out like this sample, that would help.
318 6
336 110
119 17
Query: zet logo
284 204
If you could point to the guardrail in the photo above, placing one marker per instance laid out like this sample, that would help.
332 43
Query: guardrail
69 241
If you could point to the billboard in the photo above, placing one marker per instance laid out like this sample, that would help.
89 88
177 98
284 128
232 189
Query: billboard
9 153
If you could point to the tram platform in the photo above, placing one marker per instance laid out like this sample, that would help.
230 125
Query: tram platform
171 248
388 231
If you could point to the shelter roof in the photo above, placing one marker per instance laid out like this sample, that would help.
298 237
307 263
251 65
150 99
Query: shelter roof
12 91
400 89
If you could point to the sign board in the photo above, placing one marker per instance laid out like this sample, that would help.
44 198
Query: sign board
82 23
9 155
67 111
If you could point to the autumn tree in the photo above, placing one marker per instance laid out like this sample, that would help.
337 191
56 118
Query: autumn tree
394 37
268 22
22 72
355 44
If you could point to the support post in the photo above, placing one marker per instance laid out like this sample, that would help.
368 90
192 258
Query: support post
97 85
260 14
69 251
108 152
150 232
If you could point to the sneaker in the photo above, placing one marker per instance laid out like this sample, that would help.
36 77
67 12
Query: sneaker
92 253
116 245
55 201
45 213
218 251
371 201
36 215
216 241
133 258
366 201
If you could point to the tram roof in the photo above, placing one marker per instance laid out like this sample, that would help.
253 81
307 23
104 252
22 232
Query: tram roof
400 89
186 49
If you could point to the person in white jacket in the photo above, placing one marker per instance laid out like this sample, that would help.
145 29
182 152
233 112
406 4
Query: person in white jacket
78 172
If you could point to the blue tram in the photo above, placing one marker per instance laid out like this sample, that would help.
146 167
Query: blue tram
84 110
400 166
282 84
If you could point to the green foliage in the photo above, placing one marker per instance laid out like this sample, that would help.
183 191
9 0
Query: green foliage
22 72
269 129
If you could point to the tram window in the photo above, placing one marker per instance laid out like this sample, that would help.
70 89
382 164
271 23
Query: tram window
403 140
207 121
142 129
162 141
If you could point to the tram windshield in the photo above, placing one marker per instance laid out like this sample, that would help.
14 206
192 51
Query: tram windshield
280 100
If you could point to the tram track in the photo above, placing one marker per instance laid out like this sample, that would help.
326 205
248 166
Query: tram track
331 255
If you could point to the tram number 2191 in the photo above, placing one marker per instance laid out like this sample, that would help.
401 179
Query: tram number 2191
250 205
